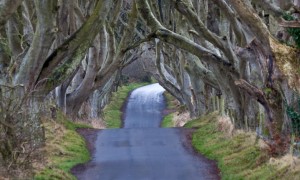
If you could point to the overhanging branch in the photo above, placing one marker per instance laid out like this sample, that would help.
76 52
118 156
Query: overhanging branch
289 24
136 44
255 92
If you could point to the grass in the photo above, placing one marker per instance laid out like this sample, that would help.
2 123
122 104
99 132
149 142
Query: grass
113 111
167 121
64 149
240 156
171 105
171 101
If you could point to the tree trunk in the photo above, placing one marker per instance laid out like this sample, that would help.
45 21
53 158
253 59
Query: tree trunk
7 8
42 41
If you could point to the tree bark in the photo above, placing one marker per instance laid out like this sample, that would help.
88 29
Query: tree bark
42 41
66 58
7 8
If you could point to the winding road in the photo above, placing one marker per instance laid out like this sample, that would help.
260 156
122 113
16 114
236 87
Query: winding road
143 151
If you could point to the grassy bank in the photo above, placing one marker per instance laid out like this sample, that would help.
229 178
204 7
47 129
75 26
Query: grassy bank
171 106
239 156
112 112
64 149
167 121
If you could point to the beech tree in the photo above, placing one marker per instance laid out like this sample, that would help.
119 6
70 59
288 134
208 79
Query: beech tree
105 58
247 63
49 44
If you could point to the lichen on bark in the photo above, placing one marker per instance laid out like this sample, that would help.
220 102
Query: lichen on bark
288 61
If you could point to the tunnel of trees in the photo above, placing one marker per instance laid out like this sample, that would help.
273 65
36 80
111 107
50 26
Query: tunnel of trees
69 54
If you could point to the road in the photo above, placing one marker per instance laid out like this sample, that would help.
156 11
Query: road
143 151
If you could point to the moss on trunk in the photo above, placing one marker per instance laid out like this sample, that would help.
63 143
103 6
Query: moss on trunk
288 61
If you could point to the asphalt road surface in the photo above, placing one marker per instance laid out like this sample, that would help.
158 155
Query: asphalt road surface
143 151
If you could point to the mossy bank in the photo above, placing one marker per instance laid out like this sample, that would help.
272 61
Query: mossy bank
240 155
64 148
169 113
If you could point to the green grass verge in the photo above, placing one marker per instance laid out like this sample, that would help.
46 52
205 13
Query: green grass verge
64 149
171 101
112 112
238 157
167 121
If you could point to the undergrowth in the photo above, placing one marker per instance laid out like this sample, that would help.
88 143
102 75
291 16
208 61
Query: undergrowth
64 148
240 156
113 111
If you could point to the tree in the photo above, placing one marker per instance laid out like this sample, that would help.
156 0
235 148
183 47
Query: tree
196 49
250 48
44 44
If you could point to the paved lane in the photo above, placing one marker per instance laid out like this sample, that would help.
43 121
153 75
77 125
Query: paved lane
142 150
144 107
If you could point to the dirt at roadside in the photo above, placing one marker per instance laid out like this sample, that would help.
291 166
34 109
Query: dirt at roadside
186 139
90 136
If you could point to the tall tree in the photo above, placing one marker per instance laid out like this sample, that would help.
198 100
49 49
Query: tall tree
250 47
